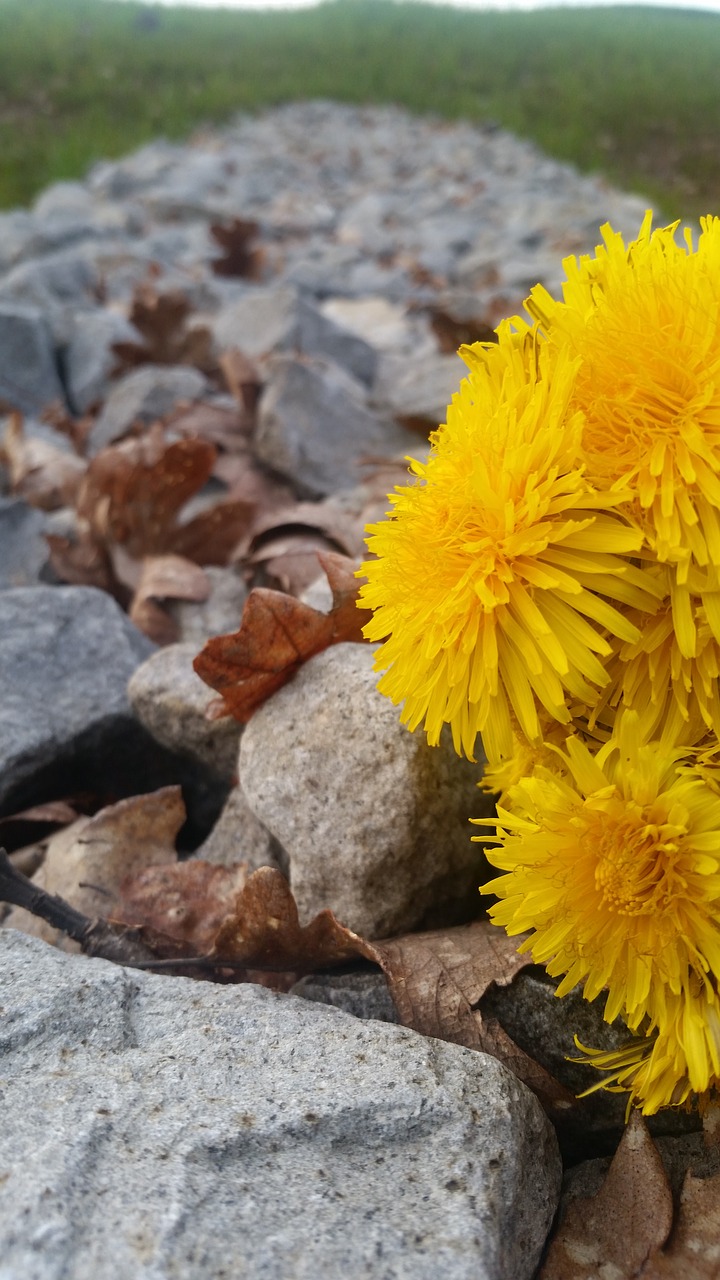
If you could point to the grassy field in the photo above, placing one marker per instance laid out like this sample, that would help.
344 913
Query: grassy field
629 92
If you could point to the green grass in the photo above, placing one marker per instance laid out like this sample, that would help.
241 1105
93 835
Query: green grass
628 92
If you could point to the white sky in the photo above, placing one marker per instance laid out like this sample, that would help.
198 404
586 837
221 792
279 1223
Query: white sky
708 6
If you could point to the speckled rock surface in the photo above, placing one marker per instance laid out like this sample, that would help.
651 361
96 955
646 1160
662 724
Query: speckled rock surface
374 822
157 1127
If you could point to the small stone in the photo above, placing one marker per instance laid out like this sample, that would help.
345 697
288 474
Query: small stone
89 358
143 396
171 700
28 375
375 823
364 995
24 552
66 654
238 836
272 320
314 427
188 1126
419 391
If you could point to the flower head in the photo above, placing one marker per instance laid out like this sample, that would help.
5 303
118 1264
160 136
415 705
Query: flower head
491 579
644 322
670 1063
613 864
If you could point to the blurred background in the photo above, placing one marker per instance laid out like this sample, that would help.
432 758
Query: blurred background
630 91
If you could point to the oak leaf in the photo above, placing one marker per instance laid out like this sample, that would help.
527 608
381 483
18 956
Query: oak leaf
277 635
161 320
239 256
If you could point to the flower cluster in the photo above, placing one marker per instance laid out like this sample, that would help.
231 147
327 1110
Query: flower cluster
550 583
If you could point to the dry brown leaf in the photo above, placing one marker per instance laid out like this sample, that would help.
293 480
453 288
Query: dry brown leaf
437 980
187 901
165 578
134 492
87 862
452 330
693 1252
614 1232
161 319
277 634
239 256
84 562
45 476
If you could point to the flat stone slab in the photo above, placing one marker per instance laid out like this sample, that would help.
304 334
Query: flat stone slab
159 1128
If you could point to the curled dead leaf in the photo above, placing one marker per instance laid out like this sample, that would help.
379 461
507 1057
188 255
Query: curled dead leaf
277 634
615 1231
165 578
44 475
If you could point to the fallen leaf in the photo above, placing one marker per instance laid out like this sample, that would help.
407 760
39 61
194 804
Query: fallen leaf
229 429
84 562
161 318
134 492
437 979
277 634
164 578
239 256
188 901
44 475
693 1252
87 862
614 1232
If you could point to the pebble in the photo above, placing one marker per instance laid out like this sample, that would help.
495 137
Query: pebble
377 831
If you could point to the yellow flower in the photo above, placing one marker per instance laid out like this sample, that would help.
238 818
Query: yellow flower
491 577
644 322
613 864
672 1062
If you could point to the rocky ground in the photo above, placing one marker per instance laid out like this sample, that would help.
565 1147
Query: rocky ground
284 298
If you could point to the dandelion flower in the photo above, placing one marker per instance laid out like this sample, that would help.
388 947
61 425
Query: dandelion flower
613 865
490 578
644 322
672 1062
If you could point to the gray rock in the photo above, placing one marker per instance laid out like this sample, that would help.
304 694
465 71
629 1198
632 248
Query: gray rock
418 390
545 1028
373 820
58 283
170 700
364 995
66 654
314 428
270 320
89 359
238 836
28 373
156 1128
23 549
142 396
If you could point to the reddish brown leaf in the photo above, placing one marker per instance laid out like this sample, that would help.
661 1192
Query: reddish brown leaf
212 536
615 1231
165 578
187 901
277 634
161 319
693 1252
437 979
239 256
87 861
452 329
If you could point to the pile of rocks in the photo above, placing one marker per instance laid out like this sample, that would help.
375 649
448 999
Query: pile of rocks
154 1126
